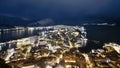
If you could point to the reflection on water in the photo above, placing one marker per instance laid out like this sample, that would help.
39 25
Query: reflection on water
16 34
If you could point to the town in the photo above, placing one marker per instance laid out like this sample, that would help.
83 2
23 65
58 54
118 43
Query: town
58 47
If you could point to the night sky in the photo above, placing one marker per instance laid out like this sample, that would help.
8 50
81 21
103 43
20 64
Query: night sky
60 9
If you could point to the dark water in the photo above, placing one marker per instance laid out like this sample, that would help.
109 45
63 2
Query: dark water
99 33
16 34
104 33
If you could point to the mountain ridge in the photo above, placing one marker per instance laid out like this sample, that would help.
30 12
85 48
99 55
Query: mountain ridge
17 21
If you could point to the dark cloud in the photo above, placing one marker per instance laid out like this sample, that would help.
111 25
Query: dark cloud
59 8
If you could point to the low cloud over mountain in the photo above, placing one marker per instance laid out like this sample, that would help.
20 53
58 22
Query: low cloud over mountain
43 22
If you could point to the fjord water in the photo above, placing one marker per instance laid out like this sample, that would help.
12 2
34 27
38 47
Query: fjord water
98 33
104 33
16 34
